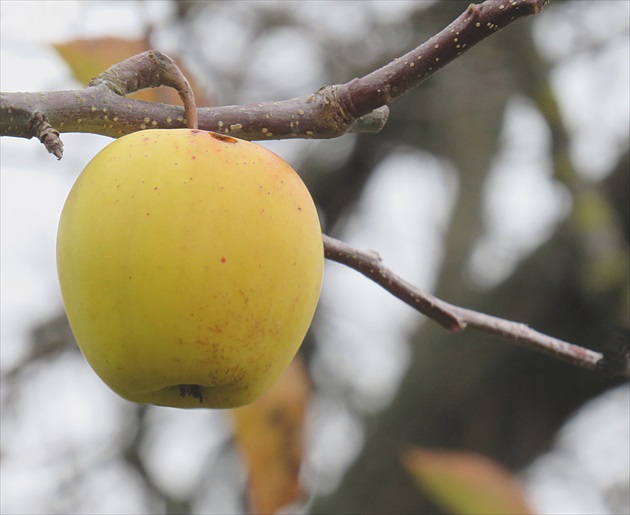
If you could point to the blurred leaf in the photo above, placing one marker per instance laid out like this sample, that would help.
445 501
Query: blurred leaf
466 483
87 58
270 436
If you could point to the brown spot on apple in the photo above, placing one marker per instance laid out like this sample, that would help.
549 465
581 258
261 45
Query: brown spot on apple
221 137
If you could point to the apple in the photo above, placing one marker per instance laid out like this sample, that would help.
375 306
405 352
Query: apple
190 265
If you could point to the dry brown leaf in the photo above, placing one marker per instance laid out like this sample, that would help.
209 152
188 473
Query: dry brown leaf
270 436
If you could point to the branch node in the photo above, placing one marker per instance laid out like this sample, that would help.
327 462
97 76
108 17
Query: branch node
372 122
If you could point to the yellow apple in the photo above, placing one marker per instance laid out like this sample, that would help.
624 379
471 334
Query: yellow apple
190 266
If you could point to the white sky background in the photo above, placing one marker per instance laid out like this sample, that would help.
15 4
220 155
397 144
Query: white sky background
84 413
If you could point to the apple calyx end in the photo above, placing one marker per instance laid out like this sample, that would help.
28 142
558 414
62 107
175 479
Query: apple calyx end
194 390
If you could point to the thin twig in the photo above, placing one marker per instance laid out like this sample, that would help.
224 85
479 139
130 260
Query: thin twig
455 318
525 335
370 264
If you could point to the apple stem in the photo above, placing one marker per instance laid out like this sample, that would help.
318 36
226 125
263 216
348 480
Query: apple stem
173 77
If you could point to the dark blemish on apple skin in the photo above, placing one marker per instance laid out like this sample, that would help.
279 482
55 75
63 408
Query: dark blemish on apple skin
222 260
155 188
194 157
221 137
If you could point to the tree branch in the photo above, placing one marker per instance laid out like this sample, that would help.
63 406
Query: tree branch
360 105
384 85
455 318
369 263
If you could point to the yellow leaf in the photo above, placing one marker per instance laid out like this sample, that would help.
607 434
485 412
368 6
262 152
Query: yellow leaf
466 483
269 434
